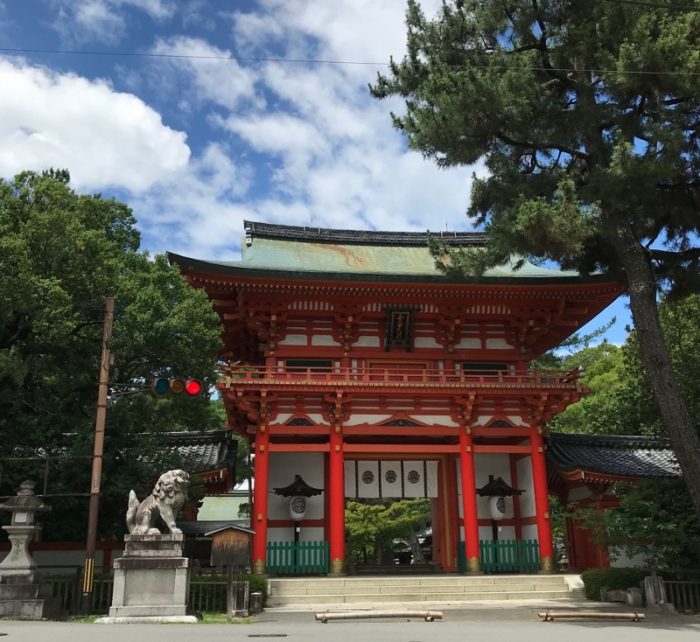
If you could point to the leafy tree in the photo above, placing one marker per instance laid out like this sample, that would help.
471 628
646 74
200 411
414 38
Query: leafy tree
613 405
373 527
61 253
586 115
679 320
653 520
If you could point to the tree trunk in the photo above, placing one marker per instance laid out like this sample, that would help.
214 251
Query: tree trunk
643 291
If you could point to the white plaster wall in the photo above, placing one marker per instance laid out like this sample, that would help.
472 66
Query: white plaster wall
469 343
437 420
505 532
426 342
367 342
283 467
529 531
485 533
356 420
620 557
68 559
579 493
286 534
527 499
323 340
293 340
283 417
497 344
498 466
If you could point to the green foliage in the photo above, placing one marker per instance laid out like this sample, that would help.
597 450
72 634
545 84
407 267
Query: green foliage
580 135
585 117
373 528
621 401
613 405
257 583
654 520
612 579
679 320
61 254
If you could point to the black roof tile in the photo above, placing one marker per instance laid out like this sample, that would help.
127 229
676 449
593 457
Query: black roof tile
615 455
361 237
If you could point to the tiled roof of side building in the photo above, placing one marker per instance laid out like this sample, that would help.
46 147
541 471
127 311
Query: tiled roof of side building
203 451
614 455
363 237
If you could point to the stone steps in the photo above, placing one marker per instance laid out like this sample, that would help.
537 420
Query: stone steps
447 589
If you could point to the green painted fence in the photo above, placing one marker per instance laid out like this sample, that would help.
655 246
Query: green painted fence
504 556
297 558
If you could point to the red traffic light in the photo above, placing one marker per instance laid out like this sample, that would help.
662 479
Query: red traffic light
193 387
163 387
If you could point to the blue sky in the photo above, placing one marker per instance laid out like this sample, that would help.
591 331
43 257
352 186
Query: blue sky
209 129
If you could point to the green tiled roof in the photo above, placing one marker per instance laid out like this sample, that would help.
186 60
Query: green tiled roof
284 248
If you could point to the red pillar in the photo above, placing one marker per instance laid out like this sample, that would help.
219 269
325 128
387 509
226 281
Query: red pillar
539 479
469 508
262 455
336 517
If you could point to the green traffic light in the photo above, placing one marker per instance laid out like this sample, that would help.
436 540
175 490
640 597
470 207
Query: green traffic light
160 386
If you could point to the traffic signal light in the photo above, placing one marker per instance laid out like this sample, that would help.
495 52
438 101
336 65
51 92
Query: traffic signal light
164 387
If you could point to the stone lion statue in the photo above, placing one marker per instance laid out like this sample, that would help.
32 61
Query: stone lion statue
166 500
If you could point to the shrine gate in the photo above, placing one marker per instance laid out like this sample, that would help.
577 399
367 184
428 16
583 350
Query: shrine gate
350 360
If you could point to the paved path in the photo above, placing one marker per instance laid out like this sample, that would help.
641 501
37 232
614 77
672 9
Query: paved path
474 624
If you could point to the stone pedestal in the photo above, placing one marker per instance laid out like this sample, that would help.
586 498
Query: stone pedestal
21 597
151 581
19 562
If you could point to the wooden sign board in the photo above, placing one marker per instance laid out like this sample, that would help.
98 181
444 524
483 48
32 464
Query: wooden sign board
230 546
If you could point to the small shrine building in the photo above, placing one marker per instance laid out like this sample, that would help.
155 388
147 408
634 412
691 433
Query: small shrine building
350 360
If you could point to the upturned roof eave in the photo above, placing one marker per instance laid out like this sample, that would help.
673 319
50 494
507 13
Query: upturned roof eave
191 265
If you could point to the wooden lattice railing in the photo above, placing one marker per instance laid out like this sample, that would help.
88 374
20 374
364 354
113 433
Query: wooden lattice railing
234 375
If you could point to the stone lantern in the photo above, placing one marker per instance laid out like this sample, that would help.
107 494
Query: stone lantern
22 530
20 595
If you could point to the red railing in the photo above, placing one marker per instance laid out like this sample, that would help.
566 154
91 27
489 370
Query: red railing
373 377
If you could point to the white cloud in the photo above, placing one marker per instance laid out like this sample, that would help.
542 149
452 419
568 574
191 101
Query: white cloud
103 137
325 149
292 143
103 20
216 79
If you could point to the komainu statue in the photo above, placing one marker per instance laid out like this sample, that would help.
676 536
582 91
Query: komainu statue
166 500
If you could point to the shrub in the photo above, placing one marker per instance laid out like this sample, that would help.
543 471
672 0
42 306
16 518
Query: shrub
612 579
257 584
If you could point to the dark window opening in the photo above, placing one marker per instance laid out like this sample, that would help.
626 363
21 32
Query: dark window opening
469 366
301 365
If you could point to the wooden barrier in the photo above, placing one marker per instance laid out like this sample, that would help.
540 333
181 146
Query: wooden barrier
548 616
428 616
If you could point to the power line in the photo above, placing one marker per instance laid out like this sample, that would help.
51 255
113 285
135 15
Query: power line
139 54
321 61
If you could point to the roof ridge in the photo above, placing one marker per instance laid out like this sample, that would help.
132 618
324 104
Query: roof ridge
611 440
373 237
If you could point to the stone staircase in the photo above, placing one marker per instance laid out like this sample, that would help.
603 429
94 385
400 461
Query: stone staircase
444 589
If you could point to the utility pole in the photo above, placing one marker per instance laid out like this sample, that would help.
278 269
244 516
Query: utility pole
96 479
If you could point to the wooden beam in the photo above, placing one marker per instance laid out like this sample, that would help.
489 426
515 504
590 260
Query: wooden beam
494 448
400 448
297 448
